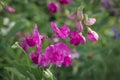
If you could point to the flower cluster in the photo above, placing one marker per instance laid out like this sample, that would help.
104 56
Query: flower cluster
58 53
54 7
76 36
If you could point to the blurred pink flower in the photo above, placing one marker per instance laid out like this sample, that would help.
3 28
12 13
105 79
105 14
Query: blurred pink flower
10 9
35 39
53 7
77 38
90 21
92 36
64 2
57 54
63 32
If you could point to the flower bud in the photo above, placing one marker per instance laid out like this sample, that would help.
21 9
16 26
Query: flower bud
10 9
92 36
53 7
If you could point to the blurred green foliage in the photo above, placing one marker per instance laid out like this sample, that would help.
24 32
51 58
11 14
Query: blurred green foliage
98 61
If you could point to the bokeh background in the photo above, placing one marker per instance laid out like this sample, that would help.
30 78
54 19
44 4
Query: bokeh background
96 61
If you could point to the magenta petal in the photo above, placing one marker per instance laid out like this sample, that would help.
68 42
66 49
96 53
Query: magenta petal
76 38
67 61
29 40
63 32
79 26
53 7
34 57
83 40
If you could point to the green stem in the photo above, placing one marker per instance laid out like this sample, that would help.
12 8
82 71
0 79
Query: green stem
27 58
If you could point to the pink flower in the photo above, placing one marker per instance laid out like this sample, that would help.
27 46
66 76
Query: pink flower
35 39
64 2
53 7
92 36
10 9
90 21
63 32
57 53
79 26
76 38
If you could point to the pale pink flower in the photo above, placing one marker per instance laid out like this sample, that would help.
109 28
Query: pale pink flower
90 21
10 9
92 36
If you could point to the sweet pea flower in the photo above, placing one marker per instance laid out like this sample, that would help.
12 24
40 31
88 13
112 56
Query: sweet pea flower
63 32
10 9
92 35
90 21
35 39
58 54
64 2
76 38
53 7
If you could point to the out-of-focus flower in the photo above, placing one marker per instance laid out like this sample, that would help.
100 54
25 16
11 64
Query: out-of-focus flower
116 34
7 26
59 53
77 38
92 35
106 3
63 32
90 21
10 9
64 2
35 39
53 7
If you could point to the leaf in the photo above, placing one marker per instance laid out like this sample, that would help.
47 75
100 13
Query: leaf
15 71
